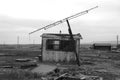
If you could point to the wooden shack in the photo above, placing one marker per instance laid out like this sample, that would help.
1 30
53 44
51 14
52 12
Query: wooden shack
102 46
57 47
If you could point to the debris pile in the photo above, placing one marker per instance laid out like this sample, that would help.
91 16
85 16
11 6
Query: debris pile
70 74
67 76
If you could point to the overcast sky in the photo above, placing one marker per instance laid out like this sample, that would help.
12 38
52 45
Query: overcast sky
19 17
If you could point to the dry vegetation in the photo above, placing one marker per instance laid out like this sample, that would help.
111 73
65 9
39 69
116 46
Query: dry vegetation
8 55
100 63
16 74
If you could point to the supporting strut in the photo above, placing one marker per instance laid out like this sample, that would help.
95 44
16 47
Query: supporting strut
73 43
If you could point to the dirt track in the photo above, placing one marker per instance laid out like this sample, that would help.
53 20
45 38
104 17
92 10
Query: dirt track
44 68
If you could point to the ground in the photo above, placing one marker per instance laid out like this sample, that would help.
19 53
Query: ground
93 62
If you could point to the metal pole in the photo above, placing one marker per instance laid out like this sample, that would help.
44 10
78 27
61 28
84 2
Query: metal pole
73 43
117 40
17 41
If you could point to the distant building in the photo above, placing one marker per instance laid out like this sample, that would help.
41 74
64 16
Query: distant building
118 46
58 47
102 46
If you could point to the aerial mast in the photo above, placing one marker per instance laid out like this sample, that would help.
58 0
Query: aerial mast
69 29
64 20
117 40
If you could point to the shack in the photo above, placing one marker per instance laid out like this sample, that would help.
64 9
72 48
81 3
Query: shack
58 48
102 46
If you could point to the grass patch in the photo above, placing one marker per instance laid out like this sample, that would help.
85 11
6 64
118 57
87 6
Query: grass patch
17 74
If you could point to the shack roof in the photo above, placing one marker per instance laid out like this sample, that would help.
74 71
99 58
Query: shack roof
59 36
102 44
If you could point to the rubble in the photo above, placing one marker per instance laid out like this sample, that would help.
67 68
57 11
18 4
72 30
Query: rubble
78 77
71 74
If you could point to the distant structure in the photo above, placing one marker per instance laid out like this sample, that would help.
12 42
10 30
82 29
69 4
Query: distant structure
18 40
117 40
58 47
102 46
61 43
18 46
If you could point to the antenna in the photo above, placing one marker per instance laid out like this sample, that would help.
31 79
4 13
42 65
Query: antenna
64 20
18 40
69 29
117 40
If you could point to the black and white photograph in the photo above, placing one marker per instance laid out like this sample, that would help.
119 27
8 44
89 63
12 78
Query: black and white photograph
59 40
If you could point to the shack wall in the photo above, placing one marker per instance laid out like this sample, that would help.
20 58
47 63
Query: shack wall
58 56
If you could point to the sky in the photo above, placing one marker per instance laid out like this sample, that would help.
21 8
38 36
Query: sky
20 17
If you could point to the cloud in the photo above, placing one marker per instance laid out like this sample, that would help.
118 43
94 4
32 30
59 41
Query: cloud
27 15
10 28
8 23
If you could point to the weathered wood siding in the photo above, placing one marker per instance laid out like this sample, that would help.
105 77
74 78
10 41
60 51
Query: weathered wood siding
58 56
